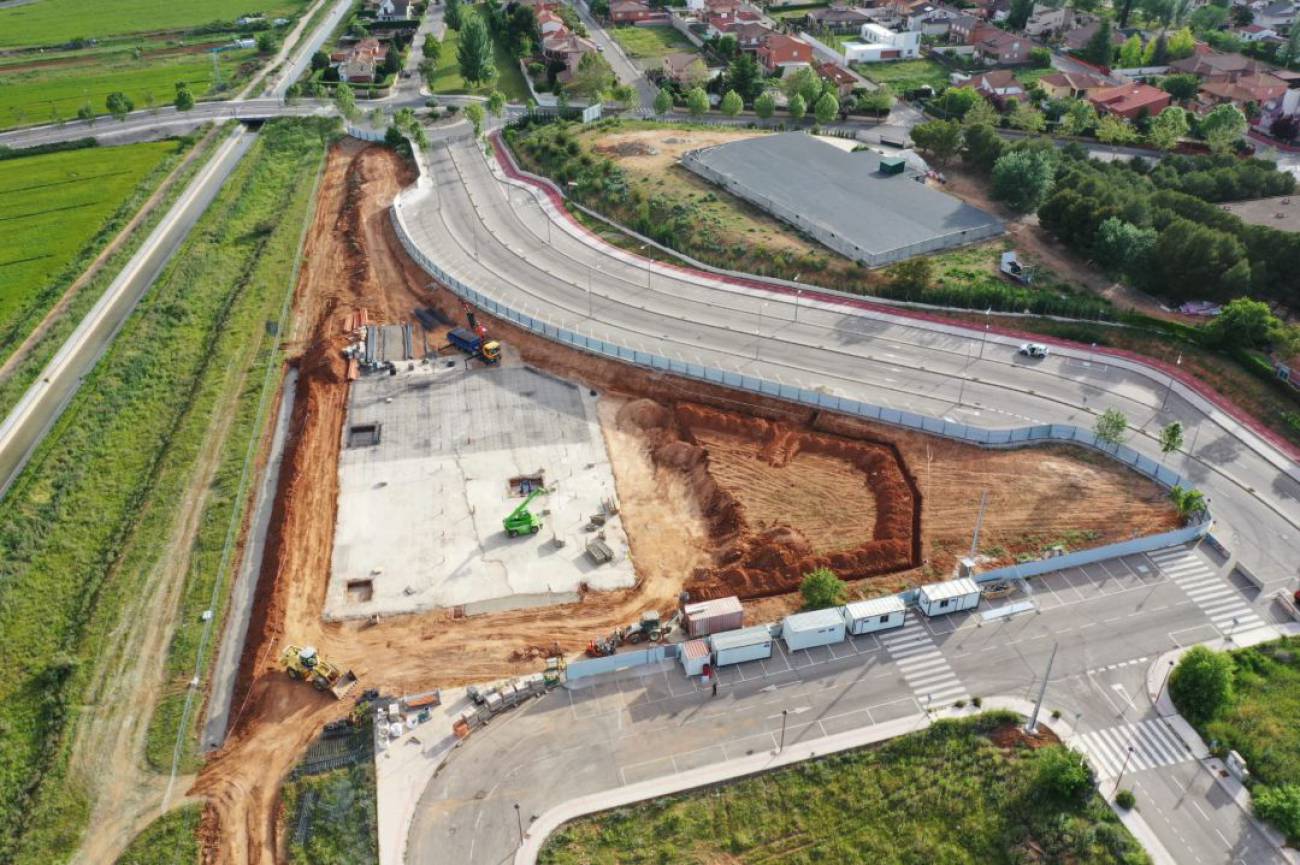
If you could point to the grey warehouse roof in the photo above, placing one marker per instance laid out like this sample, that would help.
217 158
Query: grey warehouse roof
840 198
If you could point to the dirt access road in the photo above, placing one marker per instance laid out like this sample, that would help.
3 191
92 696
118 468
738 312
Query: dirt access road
353 260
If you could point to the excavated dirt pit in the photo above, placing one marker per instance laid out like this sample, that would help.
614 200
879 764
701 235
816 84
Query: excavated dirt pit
780 500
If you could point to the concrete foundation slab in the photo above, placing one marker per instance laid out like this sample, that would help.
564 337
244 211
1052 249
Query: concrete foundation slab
434 458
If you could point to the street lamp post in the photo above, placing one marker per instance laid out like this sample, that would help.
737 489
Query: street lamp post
1164 681
1170 386
519 821
985 339
1122 769
784 713
798 293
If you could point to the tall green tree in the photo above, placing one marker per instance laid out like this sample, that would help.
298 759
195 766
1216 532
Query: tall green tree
697 102
826 108
940 140
1245 323
1098 48
1130 53
745 77
1223 128
1187 502
1019 14
453 14
1171 437
496 103
1202 684
593 79
765 105
1168 128
1023 178
474 54
1027 118
981 111
820 589
797 107
663 101
346 101
1080 117
1111 426
475 115
731 103
119 105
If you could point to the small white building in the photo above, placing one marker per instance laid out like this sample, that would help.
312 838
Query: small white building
814 628
877 614
881 43
939 599
694 655
710 617
737 647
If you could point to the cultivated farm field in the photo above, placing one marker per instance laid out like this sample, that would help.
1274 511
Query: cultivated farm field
53 22
55 93
54 206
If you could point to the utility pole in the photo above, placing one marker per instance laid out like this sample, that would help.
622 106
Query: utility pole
1032 726
519 821
979 522
1127 757
784 713
1170 386
1163 682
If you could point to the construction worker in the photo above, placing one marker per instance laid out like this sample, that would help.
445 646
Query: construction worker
715 685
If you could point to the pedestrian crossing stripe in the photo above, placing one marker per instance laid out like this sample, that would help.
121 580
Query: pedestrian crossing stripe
1222 604
924 667
1153 744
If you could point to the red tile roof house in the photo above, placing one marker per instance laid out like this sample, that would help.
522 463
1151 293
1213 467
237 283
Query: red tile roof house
839 77
1071 85
1264 90
780 51
1129 100
998 86
998 47
751 34
358 63
1215 66
684 68
549 23
568 48
838 18
632 11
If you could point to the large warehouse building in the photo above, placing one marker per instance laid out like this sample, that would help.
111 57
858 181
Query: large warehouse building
848 201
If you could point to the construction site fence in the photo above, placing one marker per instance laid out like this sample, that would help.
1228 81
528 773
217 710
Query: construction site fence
624 660
372 135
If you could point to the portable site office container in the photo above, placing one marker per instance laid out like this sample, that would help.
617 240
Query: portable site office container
877 614
694 657
710 617
736 647
816 628
938 599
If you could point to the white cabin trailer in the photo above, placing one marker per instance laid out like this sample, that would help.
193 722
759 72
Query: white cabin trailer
694 656
815 628
746 644
939 599
877 614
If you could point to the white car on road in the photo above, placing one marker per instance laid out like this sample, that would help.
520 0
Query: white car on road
1033 349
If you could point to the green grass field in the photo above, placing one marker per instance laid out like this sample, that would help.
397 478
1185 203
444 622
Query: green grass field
950 794
53 22
509 80
904 75
53 94
169 840
642 43
87 521
54 206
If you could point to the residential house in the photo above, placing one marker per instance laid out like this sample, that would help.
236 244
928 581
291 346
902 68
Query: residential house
1049 22
1077 38
1129 101
393 10
1257 33
751 34
996 47
685 68
962 28
1278 15
567 48
997 86
993 10
931 20
1071 85
726 21
837 18
1264 90
540 6
549 23
1218 67
883 43
839 77
780 52
632 11
359 63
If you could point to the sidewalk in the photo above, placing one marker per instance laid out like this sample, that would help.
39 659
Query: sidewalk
741 767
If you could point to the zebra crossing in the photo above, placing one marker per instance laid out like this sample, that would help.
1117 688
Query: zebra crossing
1221 602
1152 742
924 667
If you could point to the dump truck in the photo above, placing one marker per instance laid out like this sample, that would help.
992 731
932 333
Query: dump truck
303 662
488 350
522 521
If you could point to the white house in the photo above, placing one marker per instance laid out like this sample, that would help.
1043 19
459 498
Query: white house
881 43
939 599
393 10
877 614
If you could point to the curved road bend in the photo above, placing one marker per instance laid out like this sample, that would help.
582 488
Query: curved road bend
497 237
502 239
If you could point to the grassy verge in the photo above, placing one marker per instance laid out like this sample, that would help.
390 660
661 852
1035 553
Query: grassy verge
51 22
88 520
26 370
169 840
1258 722
641 43
961 791
211 558
54 94
63 209
331 817
446 77
905 75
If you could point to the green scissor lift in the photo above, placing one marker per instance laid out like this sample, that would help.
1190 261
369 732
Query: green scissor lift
522 521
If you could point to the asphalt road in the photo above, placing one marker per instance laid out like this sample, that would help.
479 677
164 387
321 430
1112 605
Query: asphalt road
501 241
624 67
577 742
45 400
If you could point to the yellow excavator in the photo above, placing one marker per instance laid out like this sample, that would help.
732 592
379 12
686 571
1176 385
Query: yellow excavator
303 662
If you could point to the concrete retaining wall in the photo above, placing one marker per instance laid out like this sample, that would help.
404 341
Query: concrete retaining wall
622 661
